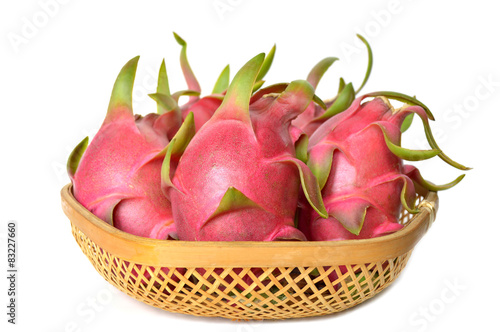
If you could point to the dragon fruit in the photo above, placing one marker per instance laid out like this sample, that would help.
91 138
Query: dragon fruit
117 177
238 179
357 159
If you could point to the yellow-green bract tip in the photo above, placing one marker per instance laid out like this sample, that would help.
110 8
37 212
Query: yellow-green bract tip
75 156
121 96
179 40
268 61
236 102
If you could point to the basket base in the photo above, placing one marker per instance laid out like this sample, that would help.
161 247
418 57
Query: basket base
245 293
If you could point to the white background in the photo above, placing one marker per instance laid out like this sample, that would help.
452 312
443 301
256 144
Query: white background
58 64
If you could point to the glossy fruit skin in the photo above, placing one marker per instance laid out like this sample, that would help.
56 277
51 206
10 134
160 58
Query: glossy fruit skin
362 190
239 179
118 176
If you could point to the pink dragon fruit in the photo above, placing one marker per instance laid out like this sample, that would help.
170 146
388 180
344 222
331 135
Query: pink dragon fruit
357 159
239 179
117 177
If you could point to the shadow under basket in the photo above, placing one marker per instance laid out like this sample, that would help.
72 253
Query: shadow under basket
247 280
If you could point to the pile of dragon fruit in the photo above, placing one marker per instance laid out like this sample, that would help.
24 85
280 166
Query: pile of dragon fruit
254 163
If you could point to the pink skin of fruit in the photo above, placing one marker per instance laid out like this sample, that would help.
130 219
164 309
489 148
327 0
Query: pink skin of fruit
362 190
202 109
357 159
118 177
238 179
365 179
305 124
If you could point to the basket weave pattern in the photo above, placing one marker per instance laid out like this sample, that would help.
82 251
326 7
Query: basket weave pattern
243 292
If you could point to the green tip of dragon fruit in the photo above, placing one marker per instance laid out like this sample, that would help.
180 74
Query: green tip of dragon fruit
232 200
121 96
237 99
266 65
222 82
370 63
191 93
319 70
175 149
342 102
166 103
163 86
189 76
179 40
402 98
75 156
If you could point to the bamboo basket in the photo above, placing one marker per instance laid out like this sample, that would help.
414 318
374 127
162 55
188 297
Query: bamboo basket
247 280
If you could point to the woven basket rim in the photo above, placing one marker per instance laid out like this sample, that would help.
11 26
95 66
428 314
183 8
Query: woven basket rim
178 253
